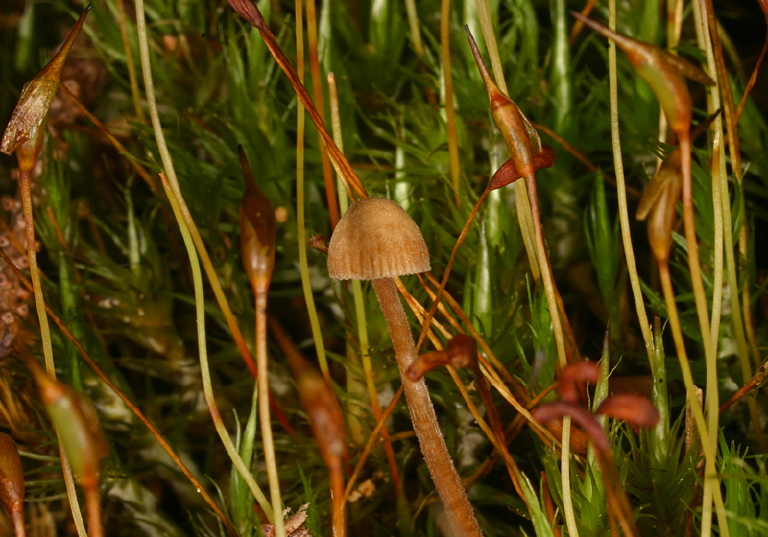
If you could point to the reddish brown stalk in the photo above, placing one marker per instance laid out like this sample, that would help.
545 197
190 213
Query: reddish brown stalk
257 244
27 156
446 479
758 65
461 352
137 412
325 417
760 378
576 30
317 89
257 226
251 13
449 265
549 505
523 143
363 457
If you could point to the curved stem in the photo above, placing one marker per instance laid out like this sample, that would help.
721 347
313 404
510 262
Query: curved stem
449 486
301 233
337 499
95 528
450 109
260 294
69 484
210 400
449 266
25 173
34 273
621 190
18 523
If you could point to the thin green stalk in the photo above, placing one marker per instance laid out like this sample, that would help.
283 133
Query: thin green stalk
197 282
169 181
413 26
128 49
262 381
450 105
621 190
565 478
213 278
34 272
531 226
357 294
333 101
718 172
69 484
727 233
660 440
561 61
711 479
25 171
301 233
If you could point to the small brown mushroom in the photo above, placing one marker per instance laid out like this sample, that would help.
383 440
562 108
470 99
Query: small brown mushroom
377 240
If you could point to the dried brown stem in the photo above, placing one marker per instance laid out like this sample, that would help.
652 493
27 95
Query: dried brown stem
251 13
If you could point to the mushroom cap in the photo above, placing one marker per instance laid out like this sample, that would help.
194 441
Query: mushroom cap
376 239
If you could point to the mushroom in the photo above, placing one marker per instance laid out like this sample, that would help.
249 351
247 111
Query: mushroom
376 240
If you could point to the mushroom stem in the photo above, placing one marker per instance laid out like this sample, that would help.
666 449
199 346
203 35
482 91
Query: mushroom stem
449 486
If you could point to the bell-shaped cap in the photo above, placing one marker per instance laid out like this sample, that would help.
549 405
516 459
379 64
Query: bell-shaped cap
376 239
